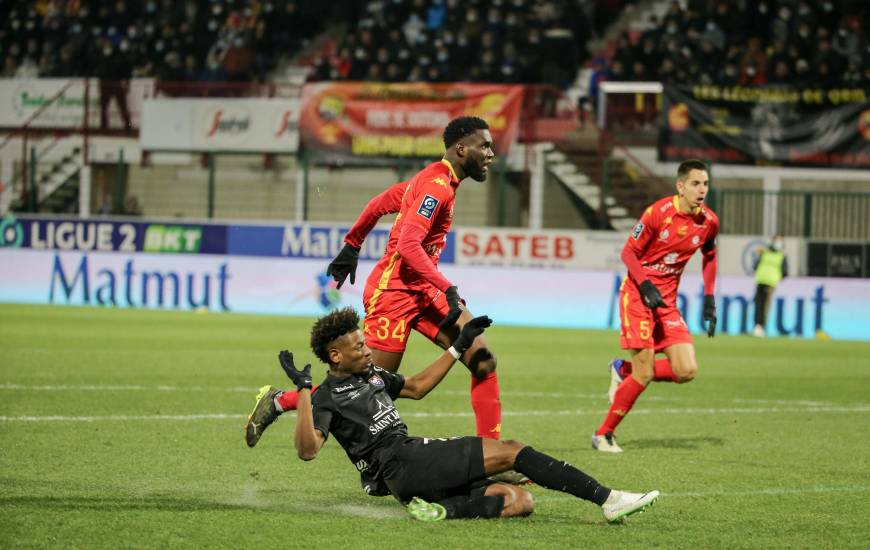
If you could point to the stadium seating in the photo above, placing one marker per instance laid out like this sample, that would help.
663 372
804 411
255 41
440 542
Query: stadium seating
753 43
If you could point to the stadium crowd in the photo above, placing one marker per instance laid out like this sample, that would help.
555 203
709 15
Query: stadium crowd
768 42
469 40
243 40
172 40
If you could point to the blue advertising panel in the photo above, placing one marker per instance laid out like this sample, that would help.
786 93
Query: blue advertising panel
107 235
312 241
802 306
321 242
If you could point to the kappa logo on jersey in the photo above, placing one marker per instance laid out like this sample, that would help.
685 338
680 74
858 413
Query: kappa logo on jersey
663 236
428 206
696 239
376 381
638 229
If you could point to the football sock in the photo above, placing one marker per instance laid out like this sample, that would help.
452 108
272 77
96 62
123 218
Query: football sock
625 369
558 475
479 507
664 372
289 400
623 401
487 405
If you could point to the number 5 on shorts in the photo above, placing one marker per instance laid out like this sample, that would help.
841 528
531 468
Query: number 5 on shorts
645 332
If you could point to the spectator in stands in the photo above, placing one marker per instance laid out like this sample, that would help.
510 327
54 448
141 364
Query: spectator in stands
132 206
10 67
113 71
106 206
781 73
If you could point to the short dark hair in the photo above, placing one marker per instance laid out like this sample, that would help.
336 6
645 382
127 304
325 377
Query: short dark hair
462 126
332 326
688 165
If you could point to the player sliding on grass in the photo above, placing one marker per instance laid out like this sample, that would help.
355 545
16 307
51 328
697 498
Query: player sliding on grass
436 478
664 239
405 290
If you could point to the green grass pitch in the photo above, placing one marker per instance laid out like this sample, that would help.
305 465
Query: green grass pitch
123 428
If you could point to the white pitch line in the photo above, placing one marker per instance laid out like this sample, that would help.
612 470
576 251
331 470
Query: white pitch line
240 389
861 408
772 491
121 387
182 417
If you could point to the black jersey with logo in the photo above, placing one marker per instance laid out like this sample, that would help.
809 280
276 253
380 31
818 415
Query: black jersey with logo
359 411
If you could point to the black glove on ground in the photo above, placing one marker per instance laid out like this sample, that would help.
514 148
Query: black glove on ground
453 300
710 314
470 331
302 378
344 264
651 295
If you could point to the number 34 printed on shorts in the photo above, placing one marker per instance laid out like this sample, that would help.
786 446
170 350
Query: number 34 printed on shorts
387 329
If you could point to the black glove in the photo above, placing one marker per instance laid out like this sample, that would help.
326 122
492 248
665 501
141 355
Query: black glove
344 264
651 295
470 331
302 378
710 314
454 302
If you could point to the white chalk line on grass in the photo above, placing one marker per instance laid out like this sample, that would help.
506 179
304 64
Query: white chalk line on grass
239 389
861 408
121 387
382 510
763 491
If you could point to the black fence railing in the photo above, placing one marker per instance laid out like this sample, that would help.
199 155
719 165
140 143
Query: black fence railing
813 215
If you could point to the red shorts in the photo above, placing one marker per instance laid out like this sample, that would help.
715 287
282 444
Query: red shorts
392 314
644 328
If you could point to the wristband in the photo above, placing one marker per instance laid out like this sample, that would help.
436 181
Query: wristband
452 351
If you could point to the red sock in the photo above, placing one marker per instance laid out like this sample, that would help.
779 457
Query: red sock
487 405
623 401
664 371
289 400
625 369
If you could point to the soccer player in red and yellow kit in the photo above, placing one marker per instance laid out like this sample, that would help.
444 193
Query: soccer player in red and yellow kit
405 290
667 235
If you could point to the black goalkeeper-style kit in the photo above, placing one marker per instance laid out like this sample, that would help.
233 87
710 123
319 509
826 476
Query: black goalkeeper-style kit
359 411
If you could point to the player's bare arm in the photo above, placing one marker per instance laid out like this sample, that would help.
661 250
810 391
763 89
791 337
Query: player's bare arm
306 439
417 386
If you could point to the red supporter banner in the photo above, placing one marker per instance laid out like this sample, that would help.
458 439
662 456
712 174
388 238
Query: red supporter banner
372 119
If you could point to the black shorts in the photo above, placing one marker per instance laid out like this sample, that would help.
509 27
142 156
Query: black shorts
434 469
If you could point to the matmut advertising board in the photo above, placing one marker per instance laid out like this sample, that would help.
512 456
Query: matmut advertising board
511 296
275 269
